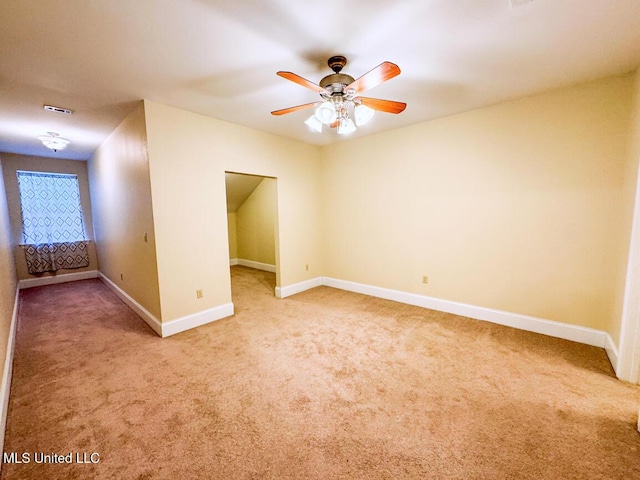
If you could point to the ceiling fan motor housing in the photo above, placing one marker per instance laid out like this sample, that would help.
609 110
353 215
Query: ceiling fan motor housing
336 82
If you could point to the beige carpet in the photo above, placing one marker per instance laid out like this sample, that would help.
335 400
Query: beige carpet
322 385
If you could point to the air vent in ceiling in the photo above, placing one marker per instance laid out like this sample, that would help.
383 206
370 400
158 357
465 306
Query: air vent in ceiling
51 108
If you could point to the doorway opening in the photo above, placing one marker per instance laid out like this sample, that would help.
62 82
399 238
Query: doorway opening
252 224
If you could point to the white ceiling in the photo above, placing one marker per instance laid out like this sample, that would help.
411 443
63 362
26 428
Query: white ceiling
220 57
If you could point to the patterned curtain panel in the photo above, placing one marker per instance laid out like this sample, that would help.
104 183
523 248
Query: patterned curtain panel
49 257
52 226
51 210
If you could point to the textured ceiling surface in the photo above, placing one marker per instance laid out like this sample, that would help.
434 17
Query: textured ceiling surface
219 58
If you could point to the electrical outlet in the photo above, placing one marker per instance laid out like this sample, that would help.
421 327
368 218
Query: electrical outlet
306 267
145 237
121 276
425 279
199 293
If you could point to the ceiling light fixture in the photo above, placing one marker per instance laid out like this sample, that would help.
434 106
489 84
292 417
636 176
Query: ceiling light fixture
326 112
346 126
336 111
346 107
54 141
362 114
314 123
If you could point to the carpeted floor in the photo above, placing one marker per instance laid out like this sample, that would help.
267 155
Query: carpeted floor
322 385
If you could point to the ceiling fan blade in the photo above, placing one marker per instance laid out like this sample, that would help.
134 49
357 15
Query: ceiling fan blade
295 109
383 72
302 81
388 106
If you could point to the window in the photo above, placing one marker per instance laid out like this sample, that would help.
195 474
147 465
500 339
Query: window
53 232
51 210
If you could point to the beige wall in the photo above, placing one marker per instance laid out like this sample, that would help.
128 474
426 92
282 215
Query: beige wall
8 279
233 234
257 223
523 206
121 198
188 155
13 162
630 186
519 207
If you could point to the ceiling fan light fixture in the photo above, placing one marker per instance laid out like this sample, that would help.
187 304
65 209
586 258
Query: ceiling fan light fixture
346 126
362 114
326 113
314 124
340 97
54 141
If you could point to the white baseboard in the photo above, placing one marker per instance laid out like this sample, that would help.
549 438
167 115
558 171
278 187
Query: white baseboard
54 279
575 333
165 329
612 350
566 331
5 386
233 261
197 319
257 265
283 292
142 312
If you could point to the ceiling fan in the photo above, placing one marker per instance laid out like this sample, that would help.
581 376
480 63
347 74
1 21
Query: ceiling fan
340 97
